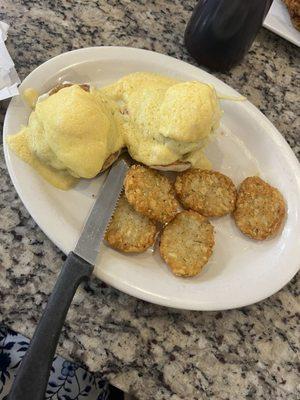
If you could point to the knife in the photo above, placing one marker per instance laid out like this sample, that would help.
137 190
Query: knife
33 373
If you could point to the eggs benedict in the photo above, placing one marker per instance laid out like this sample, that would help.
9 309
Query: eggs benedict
166 122
76 131
71 134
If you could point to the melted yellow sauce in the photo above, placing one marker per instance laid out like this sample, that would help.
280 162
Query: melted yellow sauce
164 120
160 120
30 96
60 179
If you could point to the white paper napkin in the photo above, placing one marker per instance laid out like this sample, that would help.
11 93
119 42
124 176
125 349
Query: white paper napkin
9 79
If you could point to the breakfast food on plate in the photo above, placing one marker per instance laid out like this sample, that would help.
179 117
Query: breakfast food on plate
151 193
167 122
130 231
294 9
70 135
260 209
187 243
210 193
187 237
76 131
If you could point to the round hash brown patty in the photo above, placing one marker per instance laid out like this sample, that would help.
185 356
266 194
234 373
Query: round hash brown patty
130 231
260 209
209 192
151 193
187 243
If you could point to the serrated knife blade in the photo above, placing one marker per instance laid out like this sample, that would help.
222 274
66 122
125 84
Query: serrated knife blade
94 229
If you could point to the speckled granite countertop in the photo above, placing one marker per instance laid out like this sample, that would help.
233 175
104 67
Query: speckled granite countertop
151 351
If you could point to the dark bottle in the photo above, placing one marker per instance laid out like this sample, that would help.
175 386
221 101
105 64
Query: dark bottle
220 32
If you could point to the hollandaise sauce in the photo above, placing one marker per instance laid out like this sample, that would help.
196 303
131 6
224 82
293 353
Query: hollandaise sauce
161 121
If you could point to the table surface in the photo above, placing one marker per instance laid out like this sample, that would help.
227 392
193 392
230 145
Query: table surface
153 352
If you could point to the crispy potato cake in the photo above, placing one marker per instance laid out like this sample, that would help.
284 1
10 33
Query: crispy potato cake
130 231
151 193
293 7
187 243
260 209
209 192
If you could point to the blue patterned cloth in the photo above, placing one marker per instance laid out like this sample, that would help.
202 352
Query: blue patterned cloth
68 381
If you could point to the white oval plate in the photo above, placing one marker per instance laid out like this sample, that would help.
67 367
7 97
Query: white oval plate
241 271
278 20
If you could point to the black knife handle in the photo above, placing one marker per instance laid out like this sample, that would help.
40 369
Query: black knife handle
33 373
